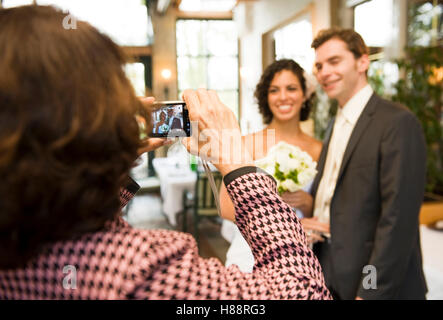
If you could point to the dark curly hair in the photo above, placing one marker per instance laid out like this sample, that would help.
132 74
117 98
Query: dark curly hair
262 89
68 135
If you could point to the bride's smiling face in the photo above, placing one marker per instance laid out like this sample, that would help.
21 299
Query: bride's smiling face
285 96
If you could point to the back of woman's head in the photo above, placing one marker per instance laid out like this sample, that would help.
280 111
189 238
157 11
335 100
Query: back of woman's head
262 88
68 136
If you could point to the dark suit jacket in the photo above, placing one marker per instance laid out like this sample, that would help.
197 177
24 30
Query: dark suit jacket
375 207
176 124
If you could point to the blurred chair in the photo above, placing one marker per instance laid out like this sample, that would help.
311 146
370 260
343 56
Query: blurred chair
201 202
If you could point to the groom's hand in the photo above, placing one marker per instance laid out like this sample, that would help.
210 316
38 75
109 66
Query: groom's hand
315 225
314 229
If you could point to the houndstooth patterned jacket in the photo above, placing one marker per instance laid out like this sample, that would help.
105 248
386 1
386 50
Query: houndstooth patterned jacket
121 262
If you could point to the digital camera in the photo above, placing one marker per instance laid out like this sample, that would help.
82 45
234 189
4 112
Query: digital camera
170 119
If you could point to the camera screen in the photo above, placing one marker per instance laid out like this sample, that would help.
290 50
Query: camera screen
170 119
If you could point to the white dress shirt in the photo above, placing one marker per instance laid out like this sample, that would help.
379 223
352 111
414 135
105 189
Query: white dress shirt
171 120
345 121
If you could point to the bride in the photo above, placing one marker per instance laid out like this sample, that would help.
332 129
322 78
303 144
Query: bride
283 100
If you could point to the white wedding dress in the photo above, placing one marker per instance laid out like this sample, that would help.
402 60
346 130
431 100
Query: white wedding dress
239 252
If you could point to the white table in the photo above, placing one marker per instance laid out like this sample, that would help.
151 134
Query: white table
175 178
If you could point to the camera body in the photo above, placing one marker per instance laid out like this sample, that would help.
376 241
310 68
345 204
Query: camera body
170 119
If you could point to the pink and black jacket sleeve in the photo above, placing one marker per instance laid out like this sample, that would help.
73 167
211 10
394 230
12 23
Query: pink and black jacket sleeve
122 262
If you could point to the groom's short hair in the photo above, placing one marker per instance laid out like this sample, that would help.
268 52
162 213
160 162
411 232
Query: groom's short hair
353 40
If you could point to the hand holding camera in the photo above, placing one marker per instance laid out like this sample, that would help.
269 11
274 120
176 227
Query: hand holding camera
214 121
217 128
149 144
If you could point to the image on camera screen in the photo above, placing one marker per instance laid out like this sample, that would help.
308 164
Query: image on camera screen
167 119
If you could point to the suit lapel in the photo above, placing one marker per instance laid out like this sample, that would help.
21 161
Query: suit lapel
360 127
322 159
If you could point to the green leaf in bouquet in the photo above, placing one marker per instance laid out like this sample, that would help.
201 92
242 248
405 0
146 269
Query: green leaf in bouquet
293 175
279 174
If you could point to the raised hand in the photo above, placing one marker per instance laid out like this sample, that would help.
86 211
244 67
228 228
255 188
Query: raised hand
218 137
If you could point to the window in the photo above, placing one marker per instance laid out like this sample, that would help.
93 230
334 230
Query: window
136 74
425 23
373 20
126 21
294 42
207 57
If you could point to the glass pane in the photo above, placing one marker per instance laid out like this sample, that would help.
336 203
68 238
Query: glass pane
230 99
294 42
222 73
425 24
375 34
136 74
190 37
15 3
192 73
221 38
207 57
125 21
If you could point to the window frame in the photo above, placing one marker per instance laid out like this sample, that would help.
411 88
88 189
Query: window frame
268 38
213 16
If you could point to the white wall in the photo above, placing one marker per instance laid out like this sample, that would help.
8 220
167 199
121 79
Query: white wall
254 19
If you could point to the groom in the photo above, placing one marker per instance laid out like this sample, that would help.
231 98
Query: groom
370 182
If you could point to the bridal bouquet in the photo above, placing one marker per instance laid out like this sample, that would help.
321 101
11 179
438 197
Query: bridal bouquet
291 167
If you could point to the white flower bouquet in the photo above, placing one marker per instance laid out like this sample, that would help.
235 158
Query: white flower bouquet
291 167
